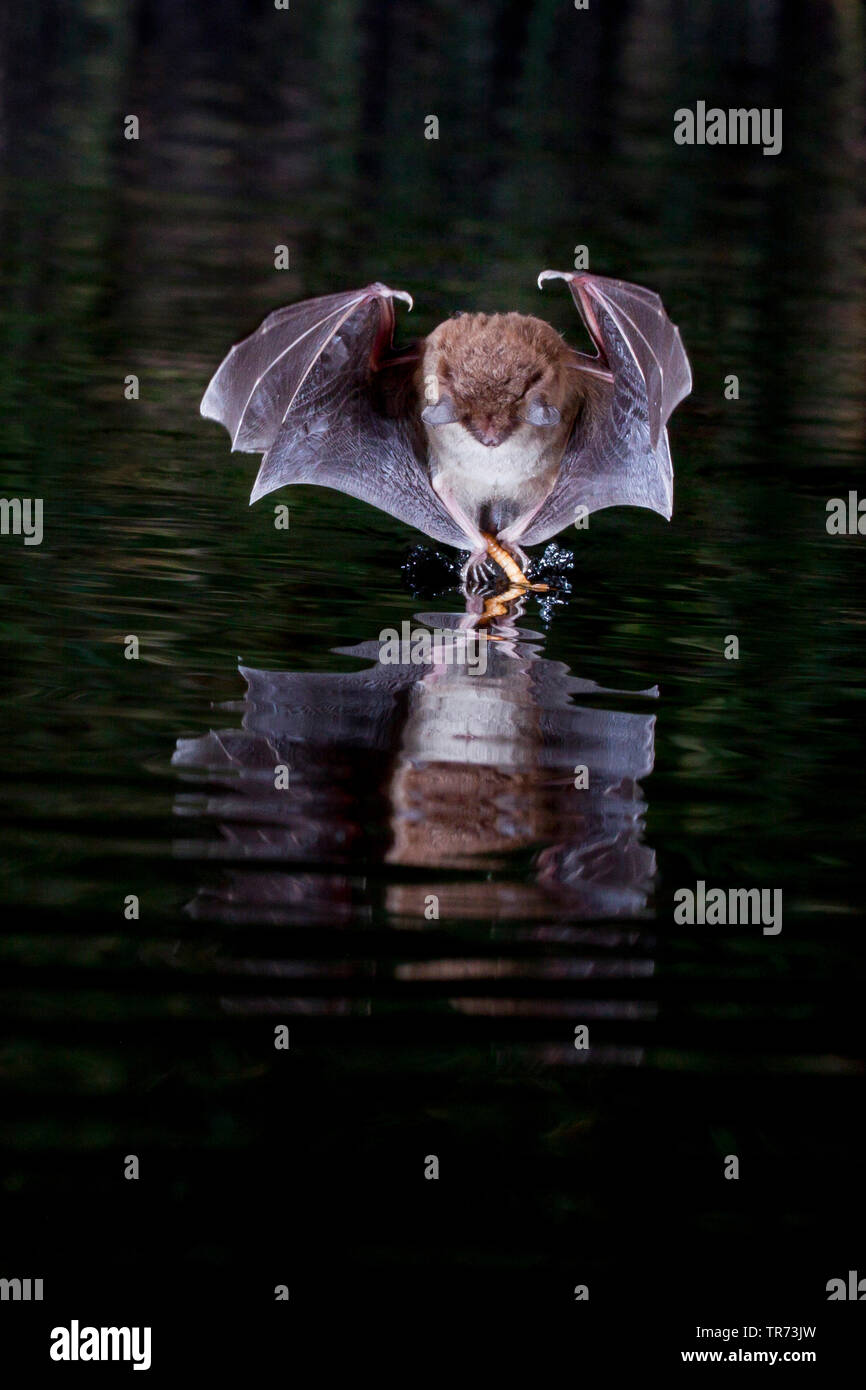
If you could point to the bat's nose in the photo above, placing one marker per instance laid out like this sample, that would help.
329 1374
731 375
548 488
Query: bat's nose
489 435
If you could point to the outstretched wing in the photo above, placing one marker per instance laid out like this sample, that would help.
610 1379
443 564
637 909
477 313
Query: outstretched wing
622 458
302 389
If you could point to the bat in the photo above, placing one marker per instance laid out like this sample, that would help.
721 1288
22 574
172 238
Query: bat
491 429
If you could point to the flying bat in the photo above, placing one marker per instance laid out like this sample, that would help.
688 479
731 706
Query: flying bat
489 435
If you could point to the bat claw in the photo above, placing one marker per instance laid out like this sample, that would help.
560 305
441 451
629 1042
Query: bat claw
478 574
554 275
396 294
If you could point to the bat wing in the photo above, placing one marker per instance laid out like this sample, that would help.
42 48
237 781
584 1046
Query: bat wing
622 458
301 388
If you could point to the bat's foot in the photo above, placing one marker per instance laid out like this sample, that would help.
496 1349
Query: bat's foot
513 568
480 573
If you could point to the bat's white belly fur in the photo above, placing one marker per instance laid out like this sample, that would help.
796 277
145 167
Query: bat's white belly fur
521 470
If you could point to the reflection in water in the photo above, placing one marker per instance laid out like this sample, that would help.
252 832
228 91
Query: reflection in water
435 798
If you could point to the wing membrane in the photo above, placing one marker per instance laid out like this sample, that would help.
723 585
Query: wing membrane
300 388
624 459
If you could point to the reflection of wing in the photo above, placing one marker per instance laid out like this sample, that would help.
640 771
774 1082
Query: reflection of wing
624 459
302 389
347 709
333 731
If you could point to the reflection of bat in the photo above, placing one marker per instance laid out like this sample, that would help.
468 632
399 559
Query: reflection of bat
491 424
465 771
407 776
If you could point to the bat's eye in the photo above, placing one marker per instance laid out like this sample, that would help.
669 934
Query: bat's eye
440 413
539 413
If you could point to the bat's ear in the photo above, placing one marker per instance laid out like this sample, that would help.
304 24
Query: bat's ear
441 412
540 413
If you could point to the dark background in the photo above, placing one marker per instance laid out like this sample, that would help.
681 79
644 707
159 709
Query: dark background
261 127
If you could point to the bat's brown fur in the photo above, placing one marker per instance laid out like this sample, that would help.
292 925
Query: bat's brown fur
491 365
494 461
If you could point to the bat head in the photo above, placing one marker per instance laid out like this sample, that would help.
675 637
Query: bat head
493 373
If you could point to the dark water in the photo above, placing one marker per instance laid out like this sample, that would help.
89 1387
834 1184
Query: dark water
412 1035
